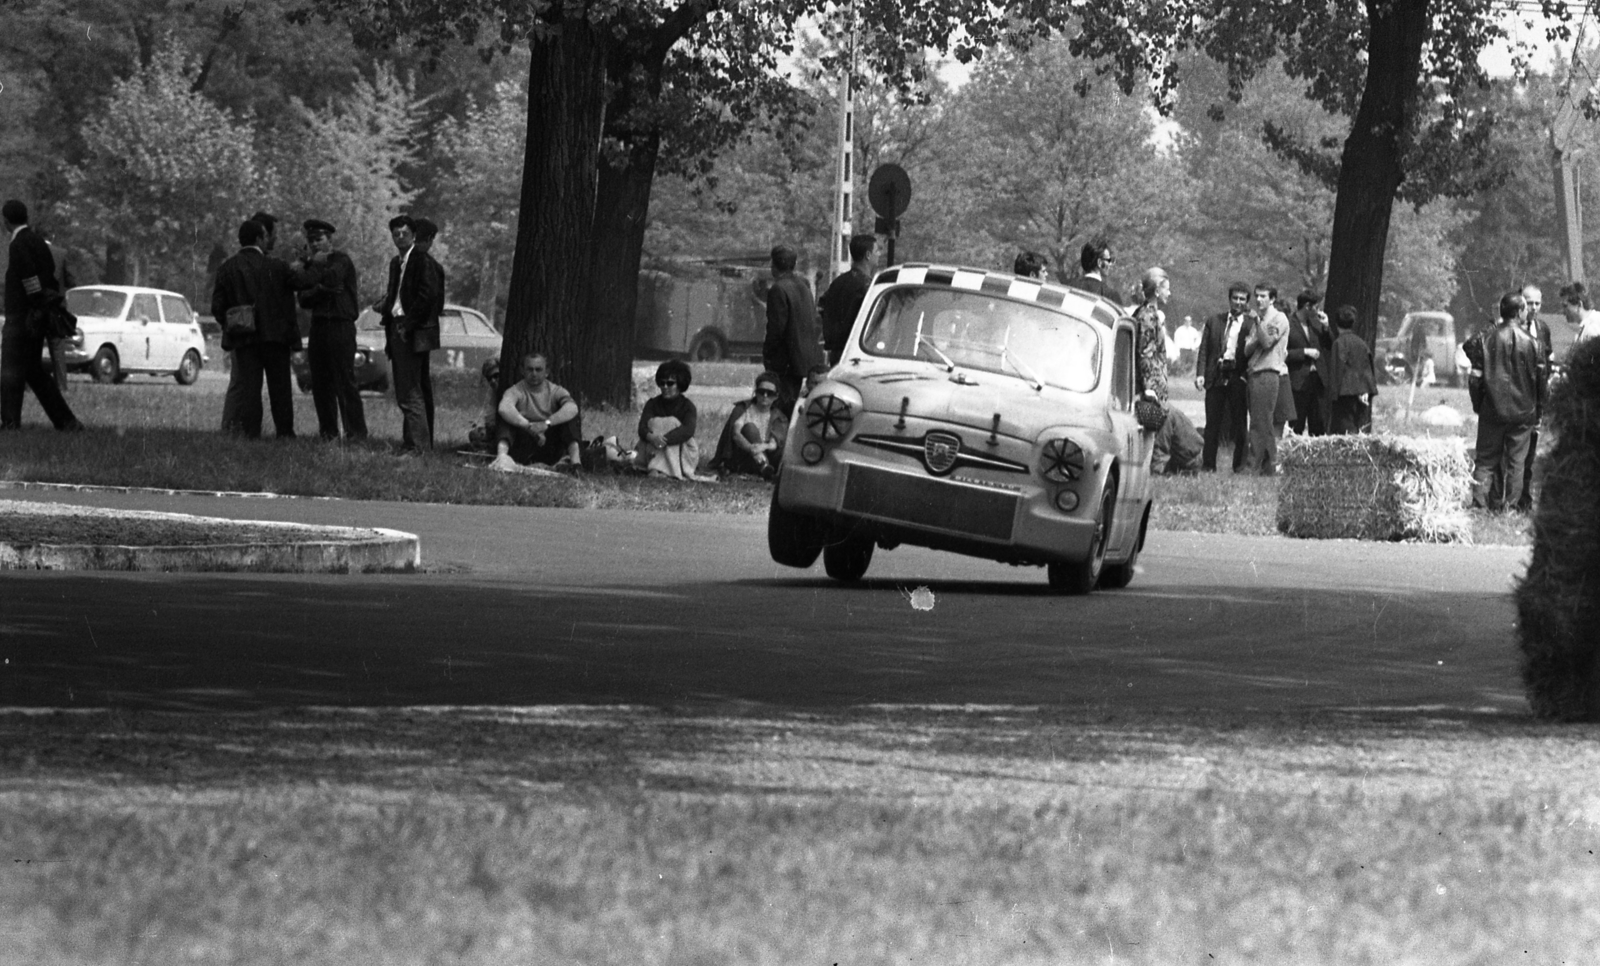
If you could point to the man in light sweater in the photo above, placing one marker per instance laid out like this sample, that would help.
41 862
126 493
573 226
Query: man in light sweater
1267 349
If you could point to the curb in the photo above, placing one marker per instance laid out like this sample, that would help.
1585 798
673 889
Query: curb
393 550
159 491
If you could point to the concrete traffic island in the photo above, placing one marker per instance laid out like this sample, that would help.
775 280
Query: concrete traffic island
45 536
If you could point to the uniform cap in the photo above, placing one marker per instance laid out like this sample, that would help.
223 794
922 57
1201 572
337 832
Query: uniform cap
316 226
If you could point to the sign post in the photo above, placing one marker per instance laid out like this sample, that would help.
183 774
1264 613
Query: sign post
889 192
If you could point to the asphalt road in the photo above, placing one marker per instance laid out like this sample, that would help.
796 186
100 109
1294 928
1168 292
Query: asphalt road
526 607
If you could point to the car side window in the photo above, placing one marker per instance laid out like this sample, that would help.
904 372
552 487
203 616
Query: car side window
144 309
176 310
1122 369
478 325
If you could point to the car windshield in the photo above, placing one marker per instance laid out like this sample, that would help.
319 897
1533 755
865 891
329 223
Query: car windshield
976 330
99 303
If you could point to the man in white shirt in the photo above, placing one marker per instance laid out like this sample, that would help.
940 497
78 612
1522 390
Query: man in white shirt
1271 400
1220 374
1580 313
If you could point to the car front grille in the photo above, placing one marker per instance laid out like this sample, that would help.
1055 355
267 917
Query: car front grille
927 502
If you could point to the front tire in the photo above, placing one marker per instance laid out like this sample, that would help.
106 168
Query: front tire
1080 578
707 347
792 538
1118 576
106 367
848 560
188 369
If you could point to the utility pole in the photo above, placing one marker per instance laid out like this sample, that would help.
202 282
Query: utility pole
845 188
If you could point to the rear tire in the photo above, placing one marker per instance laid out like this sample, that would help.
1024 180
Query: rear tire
707 347
1080 578
188 369
848 560
105 366
793 539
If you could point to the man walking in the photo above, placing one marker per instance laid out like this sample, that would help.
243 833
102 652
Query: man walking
790 349
1220 374
255 279
31 285
842 301
1507 389
1267 352
409 308
331 347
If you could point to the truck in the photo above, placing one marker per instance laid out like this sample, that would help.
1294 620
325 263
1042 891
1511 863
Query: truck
703 310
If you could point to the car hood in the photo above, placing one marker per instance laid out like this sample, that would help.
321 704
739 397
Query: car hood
1023 412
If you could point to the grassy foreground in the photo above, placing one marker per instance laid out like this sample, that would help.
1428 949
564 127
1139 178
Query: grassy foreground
152 433
615 836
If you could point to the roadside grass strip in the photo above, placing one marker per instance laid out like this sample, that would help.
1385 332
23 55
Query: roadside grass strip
888 834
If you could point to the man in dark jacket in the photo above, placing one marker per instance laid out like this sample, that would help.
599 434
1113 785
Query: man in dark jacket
254 278
841 303
1096 259
790 349
1507 388
31 285
427 231
410 310
331 347
1220 373
1309 345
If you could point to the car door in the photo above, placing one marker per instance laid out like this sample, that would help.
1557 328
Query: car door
143 333
1136 442
176 330
451 333
481 341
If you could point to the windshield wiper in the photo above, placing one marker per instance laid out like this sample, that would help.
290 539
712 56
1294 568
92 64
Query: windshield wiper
1022 370
950 364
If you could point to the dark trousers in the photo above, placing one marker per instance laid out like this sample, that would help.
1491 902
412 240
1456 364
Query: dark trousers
331 357
22 365
410 369
1265 387
1226 415
1309 418
1498 460
1350 416
527 450
427 394
253 363
1525 500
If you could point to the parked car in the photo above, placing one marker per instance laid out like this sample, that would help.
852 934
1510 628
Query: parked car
975 412
466 338
124 329
1425 337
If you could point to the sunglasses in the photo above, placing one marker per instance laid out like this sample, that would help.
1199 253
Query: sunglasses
769 393
664 383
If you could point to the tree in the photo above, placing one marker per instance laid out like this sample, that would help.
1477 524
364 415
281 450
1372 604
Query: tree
484 151
163 174
1416 128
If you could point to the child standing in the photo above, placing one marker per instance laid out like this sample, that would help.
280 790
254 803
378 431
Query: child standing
1353 382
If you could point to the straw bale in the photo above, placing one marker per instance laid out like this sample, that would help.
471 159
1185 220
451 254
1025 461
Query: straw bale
1558 600
1375 488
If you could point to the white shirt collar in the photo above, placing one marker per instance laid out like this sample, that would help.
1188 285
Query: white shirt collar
15 231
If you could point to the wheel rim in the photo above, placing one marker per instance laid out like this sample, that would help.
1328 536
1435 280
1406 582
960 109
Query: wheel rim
106 366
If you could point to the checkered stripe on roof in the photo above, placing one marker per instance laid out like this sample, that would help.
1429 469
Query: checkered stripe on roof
999 283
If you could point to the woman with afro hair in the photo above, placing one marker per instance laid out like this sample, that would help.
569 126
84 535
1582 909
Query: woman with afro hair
667 446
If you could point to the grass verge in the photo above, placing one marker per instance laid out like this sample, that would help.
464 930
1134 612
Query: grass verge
884 835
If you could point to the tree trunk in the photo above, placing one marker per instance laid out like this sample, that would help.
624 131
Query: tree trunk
621 214
1370 170
547 302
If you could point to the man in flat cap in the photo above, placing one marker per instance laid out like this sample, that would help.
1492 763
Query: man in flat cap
331 347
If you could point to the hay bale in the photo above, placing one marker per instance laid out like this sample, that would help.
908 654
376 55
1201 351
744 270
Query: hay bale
1558 600
1375 488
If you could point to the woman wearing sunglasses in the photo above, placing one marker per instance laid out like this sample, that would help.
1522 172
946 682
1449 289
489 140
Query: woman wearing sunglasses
752 438
667 446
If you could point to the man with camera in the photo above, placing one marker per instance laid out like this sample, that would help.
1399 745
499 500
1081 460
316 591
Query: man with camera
1220 374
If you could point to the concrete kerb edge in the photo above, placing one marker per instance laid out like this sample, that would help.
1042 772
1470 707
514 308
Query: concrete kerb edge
392 550
160 491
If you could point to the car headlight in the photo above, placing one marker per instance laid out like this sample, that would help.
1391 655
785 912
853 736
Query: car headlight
1061 461
828 418
77 338
361 358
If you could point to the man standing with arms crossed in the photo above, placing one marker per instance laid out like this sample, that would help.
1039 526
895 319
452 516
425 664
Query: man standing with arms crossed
331 348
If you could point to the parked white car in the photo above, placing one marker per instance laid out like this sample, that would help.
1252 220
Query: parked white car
124 329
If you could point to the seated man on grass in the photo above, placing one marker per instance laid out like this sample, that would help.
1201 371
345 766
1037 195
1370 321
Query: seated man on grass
539 421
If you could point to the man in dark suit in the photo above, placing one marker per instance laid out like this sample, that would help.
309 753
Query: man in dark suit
410 311
233 399
790 349
1220 373
334 304
1096 259
252 277
427 231
1310 343
31 284
842 301
1533 300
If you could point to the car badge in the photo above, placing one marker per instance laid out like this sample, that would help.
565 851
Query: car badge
939 452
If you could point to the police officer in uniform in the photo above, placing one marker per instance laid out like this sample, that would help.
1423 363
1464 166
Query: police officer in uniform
331 347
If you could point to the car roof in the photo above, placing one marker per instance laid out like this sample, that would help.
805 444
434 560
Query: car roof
132 290
1066 298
